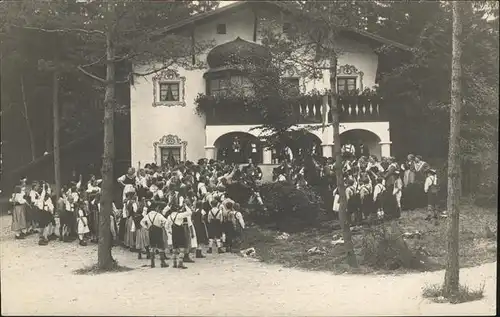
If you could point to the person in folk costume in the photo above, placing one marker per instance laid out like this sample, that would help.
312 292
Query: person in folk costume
19 213
155 223
287 154
38 201
421 168
226 207
366 198
378 197
64 216
48 220
130 207
32 211
236 150
176 233
93 216
352 197
128 181
116 214
238 225
190 233
199 215
408 196
141 183
398 191
142 234
82 222
390 202
214 227
431 189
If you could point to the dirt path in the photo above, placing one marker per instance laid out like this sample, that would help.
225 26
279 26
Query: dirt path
39 281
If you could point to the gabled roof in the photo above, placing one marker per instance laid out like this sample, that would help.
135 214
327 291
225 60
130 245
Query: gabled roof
203 17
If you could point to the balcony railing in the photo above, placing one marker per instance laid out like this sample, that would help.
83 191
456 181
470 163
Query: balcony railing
351 109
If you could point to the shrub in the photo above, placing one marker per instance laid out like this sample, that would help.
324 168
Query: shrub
289 208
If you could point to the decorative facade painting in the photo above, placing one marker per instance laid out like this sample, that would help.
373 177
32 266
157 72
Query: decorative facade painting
169 89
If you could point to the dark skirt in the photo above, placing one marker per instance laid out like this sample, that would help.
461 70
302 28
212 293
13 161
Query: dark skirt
201 230
44 218
156 238
228 228
93 222
32 214
353 207
206 206
367 206
390 205
179 237
214 229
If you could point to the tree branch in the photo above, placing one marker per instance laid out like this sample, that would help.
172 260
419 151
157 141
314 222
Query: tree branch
153 71
93 63
61 30
91 75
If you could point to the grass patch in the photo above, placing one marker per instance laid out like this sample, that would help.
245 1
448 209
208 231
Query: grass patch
465 294
476 246
94 269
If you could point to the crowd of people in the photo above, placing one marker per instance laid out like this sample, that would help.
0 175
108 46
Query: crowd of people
374 188
183 208
176 208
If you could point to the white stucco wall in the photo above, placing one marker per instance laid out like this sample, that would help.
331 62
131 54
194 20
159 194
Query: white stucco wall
149 124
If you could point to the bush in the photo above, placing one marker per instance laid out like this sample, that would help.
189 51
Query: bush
289 208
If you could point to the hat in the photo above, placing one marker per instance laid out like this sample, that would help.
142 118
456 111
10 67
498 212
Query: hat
433 171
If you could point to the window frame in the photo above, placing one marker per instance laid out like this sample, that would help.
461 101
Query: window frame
169 141
169 147
171 83
168 76
228 78
346 79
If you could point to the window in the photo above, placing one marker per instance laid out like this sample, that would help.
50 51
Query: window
170 153
169 91
293 85
346 84
221 28
224 84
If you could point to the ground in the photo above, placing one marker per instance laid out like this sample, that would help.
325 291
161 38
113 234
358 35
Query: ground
41 281
476 245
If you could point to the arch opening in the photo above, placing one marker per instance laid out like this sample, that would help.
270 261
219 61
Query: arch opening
239 148
363 142
301 144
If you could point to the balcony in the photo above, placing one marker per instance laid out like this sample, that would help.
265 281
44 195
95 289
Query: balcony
352 109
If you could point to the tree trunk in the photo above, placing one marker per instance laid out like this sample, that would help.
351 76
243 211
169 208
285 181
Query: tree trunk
56 119
344 222
105 260
451 278
26 117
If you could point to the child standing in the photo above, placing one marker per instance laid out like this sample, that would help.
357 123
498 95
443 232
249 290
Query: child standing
431 189
142 234
378 194
200 227
214 227
129 210
238 226
82 223
176 233
155 223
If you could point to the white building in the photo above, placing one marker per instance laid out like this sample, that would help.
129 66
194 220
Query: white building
164 121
